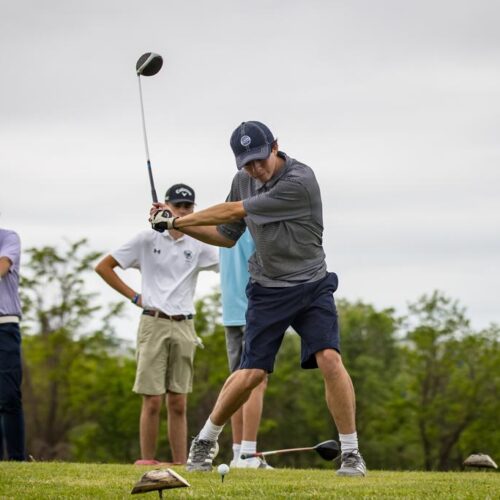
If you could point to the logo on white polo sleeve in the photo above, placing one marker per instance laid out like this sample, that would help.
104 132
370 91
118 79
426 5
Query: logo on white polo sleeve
188 255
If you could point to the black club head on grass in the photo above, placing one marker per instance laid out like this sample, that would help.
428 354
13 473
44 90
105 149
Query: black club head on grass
327 450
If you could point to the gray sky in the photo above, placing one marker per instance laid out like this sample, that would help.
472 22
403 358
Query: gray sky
394 104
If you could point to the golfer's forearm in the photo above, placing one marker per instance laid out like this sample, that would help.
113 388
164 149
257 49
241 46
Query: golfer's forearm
5 264
230 211
208 234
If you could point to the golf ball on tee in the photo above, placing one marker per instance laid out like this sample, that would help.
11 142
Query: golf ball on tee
223 469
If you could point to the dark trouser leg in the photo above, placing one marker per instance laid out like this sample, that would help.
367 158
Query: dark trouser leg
11 409
1 438
12 415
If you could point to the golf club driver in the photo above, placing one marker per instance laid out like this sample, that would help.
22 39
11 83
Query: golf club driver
148 65
327 450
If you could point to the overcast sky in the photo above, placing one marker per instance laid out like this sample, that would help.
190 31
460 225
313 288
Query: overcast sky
394 104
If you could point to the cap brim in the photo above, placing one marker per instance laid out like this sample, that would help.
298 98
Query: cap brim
179 200
261 153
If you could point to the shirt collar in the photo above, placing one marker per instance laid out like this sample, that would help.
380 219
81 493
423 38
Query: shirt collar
273 180
166 234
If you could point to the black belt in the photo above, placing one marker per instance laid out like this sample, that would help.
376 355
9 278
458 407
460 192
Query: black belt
159 314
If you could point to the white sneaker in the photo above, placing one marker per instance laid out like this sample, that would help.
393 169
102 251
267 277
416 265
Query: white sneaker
251 463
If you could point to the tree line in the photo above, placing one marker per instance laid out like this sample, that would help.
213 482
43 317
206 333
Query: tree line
427 384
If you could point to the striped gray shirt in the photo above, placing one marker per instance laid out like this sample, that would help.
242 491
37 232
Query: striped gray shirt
285 219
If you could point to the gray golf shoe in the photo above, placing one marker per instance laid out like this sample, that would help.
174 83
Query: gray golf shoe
201 455
352 464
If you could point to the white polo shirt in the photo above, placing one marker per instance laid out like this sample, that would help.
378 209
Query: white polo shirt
169 268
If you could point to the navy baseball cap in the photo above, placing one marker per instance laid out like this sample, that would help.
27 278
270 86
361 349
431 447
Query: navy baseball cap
251 141
180 193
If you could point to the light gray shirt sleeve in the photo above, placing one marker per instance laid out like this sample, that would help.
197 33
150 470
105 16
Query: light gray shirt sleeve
233 230
288 199
10 247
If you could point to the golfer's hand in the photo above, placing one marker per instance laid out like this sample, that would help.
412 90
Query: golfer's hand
156 208
162 220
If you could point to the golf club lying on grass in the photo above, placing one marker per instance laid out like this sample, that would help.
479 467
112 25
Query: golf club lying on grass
148 65
327 450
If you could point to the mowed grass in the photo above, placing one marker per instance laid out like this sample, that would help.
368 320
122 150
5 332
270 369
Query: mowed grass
66 480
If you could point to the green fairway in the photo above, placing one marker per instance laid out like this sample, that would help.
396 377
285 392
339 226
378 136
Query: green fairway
63 480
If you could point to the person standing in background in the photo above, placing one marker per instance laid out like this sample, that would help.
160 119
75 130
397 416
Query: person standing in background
11 406
169 263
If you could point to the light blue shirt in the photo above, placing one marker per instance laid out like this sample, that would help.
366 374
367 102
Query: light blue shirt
10 247
234 278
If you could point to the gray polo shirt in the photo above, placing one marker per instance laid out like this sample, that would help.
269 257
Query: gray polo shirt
10 247
285 219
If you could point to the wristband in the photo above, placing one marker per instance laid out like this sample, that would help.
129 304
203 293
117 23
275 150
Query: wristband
135 298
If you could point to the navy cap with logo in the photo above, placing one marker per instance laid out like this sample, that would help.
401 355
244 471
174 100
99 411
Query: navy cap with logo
251 141
180 193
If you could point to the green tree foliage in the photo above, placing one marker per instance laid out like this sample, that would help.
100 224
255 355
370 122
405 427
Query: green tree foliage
76 380
427 385
454 384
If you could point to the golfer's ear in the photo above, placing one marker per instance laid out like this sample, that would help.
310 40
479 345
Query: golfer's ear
274 146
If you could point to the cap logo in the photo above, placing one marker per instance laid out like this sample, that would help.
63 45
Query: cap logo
183 192
245 141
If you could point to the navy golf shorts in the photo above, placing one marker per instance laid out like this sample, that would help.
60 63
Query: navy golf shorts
309 308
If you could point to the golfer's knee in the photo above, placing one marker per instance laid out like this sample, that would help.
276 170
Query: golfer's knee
249 378
330 362
262 385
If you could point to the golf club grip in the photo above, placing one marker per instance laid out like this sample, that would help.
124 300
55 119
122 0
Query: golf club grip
152 183
244 456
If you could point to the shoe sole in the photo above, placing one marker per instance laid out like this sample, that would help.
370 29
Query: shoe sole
198 469
351 474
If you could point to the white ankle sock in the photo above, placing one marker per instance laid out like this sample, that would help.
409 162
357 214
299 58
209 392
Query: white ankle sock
348 442
210 431
248 447
236 451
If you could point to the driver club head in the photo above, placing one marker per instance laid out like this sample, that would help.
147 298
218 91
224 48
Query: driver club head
328 450
149 64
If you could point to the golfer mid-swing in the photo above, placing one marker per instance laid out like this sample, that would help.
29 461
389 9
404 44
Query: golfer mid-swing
278 198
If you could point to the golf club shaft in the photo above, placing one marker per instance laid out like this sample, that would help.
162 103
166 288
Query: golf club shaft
244 456
150 172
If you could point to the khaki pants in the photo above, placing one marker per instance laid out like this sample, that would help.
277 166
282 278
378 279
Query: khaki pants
165 355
